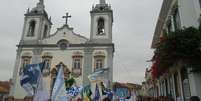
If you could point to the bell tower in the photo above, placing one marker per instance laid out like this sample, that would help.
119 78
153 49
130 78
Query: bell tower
101 23
37 25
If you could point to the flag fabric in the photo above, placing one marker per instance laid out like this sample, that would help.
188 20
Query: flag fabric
74 91
106 91
59 89
98 74
41 92
97 94
110 94
30 76
86 93
122 98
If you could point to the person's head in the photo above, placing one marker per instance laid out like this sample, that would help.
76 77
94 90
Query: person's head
195 98
106 99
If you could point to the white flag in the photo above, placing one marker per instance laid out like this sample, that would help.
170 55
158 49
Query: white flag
41 93
59 90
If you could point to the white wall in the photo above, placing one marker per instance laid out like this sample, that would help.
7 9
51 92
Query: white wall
195 81
189 12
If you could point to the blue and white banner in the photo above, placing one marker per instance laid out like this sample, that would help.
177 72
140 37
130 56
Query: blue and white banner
59 89
29 77
122 98
41 92
98 74
74 91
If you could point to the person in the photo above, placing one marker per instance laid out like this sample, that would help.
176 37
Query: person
106 99
194 98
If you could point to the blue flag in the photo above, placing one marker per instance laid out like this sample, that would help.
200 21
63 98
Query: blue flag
74 91
98 74
29 77
97 94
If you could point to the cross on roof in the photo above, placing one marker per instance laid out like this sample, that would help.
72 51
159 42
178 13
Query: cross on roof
66 17
42 1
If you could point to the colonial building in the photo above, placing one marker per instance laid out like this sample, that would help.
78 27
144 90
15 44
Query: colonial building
128 91
148 87
180 83
79 55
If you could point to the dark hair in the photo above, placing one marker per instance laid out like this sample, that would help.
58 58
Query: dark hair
106 99
195 98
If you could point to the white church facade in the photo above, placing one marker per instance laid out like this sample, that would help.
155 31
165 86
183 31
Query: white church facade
79 55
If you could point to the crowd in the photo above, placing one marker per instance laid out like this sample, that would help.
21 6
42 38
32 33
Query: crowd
162 98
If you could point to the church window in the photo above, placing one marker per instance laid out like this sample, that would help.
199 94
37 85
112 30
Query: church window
77 63
99 63
25 61
63 44
45 31
47 63
31 30
101 26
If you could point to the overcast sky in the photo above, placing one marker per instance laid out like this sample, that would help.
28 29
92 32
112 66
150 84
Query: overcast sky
134 24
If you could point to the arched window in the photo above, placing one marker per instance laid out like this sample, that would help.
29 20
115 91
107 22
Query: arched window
63 44
101 26
32 26
77 65
47 59
45 31
99 62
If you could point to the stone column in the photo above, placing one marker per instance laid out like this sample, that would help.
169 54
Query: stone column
168 85
110 54
15 72
159 88
37 55
173 81
194 81
180 83
87 69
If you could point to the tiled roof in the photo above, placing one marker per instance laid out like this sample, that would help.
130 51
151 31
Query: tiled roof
127 85
4 87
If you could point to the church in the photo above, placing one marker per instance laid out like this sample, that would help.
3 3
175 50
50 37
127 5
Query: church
79 55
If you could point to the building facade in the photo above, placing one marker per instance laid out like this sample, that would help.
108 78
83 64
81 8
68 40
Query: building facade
180 83
79 55
128 91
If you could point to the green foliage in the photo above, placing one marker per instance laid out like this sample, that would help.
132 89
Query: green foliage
182 45
69 83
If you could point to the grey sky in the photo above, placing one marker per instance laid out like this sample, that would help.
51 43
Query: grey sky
134 23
